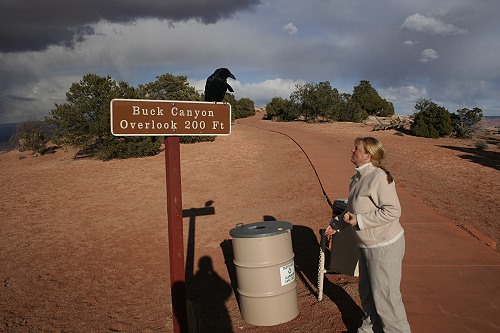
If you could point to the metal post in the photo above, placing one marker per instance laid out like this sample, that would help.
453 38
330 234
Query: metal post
175 234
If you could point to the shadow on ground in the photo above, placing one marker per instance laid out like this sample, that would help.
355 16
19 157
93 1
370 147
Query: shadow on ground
486 158
206 291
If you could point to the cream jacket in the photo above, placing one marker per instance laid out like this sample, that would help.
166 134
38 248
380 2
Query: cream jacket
377 208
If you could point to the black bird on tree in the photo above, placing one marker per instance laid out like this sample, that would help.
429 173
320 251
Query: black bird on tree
216 85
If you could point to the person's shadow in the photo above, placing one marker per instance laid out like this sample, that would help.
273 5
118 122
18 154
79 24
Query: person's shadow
207 293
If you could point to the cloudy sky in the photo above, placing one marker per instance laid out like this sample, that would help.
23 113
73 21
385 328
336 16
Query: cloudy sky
444 50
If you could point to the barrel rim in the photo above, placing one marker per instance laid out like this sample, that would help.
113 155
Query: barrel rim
260 229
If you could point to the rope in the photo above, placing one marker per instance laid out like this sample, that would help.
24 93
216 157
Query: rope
307 156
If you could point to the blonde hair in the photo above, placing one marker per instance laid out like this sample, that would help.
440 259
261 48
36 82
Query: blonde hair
374 147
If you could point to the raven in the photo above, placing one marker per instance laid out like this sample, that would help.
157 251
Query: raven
216 85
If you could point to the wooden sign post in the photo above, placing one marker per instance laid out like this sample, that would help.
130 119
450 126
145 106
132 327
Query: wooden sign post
134 117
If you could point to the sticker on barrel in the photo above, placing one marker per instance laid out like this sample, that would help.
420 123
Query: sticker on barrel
287 274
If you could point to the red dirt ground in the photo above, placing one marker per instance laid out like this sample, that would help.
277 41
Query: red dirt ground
84 243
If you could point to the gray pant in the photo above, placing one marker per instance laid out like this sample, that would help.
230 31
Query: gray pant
379 288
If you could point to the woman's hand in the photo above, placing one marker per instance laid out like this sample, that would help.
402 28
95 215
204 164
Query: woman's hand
350 218
329 232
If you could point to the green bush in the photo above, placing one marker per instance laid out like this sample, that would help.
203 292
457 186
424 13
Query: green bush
350 110
282 110
370 101
316 102
127 147
467 123
242 108
196 138
84 120
433 121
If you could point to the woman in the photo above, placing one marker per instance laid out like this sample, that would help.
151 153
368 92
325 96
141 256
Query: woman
373 210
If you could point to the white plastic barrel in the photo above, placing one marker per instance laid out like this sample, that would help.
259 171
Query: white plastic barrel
265 271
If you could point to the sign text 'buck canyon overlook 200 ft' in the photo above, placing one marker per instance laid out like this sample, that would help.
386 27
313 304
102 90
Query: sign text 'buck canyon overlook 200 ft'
140 117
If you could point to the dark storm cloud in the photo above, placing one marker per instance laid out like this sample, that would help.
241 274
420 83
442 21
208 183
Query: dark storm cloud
20 98
33 25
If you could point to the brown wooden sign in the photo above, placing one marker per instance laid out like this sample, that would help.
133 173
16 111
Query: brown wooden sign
141 117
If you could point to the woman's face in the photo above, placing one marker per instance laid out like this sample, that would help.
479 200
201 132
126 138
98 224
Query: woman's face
359 156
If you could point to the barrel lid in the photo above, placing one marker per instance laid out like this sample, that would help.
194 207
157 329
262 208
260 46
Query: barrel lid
260 229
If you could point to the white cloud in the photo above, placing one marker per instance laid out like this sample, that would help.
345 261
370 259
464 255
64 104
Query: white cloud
403 97
403 94
291 28
263 92
410 42
428 55
420 23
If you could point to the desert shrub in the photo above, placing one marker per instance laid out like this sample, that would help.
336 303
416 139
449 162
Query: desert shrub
316 101
350 110
241 108
432 121
370 101
282 110
481 144
321 102
196 138
244 107
31 135
467 122
128 147
169 87
84 120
